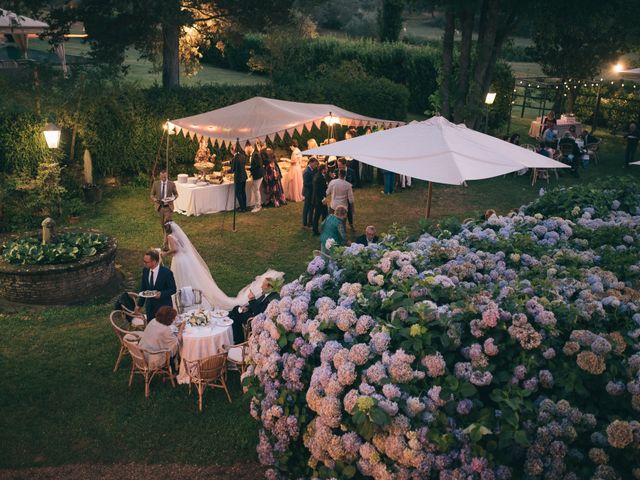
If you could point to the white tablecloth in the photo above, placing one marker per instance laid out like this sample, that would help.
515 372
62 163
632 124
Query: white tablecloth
563 124
202 342
198 200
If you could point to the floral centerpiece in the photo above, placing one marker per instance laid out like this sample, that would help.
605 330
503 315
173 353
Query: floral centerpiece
198 318
492 350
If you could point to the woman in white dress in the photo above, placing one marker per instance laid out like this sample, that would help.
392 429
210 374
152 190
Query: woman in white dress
190 270
293 186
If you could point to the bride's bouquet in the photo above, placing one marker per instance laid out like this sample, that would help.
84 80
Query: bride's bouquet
198 318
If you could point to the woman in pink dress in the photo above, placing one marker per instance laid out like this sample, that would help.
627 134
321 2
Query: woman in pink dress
293 185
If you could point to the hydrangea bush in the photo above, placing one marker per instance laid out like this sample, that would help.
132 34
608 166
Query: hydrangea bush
507 350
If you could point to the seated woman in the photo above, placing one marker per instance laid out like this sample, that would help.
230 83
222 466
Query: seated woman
334 227
158 336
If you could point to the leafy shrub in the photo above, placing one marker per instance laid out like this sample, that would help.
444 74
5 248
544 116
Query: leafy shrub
412 66
67 247
508 350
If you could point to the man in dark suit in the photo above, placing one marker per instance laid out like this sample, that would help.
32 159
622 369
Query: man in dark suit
368 237
307 191
159 278
240 176
256 305
318 196
257 174
162 189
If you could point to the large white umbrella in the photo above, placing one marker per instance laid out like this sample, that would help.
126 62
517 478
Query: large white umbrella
437 150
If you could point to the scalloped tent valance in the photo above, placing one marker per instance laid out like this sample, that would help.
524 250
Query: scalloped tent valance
261 118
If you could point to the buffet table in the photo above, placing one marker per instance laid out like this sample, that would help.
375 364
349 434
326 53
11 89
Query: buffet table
200 199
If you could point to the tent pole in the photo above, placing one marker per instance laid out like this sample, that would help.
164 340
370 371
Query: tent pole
429 194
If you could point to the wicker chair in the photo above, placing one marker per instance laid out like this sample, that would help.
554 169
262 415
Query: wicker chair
238 356
122 329
141 366
139 321
208 372
592 150
182 306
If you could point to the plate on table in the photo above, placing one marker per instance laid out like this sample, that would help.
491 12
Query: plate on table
148 293
219 313
225 322
202 184
170 198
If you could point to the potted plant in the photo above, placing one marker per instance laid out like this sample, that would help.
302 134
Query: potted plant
92 192
74 208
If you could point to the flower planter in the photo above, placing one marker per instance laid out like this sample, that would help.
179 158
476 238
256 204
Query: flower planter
59 284
73 219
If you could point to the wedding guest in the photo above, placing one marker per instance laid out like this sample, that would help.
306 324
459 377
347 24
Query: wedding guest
307 192
515 139
318 196
549 120
572 131
311 143
550 138
162 189
333 227
273 181
352 163
368 237
542 150
293 183
257 173
632 137
158 336
389 182
341 193
568 144
240 315
159 278
405 181
349 174
588 138
238 164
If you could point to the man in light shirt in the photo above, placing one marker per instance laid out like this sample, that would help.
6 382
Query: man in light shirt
341 193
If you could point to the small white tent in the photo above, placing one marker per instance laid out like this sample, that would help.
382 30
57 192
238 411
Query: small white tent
20 28
260 118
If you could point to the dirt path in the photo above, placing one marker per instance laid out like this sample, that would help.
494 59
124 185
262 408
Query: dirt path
133 471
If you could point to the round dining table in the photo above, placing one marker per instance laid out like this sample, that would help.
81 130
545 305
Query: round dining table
199 342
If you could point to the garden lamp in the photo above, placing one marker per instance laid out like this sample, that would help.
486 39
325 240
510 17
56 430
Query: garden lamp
489 99
52 135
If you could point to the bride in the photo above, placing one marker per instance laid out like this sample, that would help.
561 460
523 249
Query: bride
190 270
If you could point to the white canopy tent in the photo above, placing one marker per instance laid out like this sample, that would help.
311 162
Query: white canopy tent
20 28
437 150
261 118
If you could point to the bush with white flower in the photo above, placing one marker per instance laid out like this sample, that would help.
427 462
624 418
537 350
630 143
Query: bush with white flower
505 349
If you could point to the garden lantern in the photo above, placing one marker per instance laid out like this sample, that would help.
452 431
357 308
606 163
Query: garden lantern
52 135
489 99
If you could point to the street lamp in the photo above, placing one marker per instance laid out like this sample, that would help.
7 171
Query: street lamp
52 135
489 99
618 67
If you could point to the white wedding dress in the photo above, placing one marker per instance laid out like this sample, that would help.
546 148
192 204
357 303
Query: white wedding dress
190 270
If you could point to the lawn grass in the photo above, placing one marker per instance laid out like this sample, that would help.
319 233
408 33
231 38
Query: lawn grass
141 71
62 404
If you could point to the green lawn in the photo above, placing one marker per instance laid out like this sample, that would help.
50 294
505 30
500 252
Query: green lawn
62 404
140 71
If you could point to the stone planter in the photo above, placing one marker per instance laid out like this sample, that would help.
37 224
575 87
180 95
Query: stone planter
59 284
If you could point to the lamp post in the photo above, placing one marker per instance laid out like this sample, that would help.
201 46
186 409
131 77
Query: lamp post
489 99
52 135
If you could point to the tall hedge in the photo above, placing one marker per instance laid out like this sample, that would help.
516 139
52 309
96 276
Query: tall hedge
412 66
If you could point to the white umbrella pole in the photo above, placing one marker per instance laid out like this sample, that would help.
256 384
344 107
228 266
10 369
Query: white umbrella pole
429 194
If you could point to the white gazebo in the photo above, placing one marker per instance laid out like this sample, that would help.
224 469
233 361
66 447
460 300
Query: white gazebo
20 28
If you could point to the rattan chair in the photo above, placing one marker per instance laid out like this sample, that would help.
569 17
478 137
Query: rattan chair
540 174
122 329
592 150
182 306
238 356
141 366
208 372
139 320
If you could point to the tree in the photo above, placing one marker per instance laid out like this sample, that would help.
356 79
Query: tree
390 20
581 38
462 99
161 29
